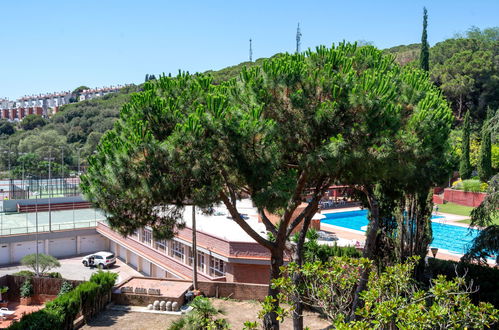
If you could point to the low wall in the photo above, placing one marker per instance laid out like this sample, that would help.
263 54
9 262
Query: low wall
437 199
239 291
465 198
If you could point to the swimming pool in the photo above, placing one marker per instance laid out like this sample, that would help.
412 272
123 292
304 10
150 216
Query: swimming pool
452 238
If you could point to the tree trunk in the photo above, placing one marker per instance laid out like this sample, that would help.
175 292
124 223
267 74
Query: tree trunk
194 251
369 249
297 277
270 321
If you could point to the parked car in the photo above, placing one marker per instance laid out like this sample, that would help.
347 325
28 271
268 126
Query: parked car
99 259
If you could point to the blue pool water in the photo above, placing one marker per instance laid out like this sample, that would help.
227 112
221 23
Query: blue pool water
452 238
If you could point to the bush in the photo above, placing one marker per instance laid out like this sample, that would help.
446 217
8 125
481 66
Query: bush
483 277
65 288
54 275
26 289
61 312
45 262
471 185
25 273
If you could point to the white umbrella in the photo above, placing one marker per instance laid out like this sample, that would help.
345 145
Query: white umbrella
318 216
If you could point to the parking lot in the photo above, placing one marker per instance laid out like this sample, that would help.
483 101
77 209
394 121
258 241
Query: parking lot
72 269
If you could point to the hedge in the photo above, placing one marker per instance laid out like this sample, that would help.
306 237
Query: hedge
485 279
60 313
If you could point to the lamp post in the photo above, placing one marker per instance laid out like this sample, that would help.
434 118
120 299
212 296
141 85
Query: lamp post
434 252
36 233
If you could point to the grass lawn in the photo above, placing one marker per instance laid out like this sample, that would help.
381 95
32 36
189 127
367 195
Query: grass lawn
496 221
455 209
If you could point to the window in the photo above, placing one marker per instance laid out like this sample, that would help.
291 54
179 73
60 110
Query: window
147 236
177 250
190 260
161 245
217 267
201 262
135 234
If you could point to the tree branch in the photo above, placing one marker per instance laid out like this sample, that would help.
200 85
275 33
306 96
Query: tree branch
243 224
266 221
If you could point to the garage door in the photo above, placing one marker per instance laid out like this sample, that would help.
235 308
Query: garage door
133 259
122 253
112 246
4 254
92 243
24 248
62 247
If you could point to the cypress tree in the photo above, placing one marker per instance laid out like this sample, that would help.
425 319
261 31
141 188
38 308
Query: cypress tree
465 166
424 57
485 159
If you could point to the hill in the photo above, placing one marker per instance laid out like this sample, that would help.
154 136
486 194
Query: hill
464 67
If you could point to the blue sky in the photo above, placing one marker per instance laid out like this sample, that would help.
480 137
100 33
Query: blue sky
50 45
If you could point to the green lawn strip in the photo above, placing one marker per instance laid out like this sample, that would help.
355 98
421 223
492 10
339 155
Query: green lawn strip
496 221
452 208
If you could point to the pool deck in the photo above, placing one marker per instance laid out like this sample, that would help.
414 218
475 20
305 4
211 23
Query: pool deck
351 236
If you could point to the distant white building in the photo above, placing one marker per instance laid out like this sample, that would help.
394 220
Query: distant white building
89 94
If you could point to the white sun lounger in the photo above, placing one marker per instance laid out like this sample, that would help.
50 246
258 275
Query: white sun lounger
6 313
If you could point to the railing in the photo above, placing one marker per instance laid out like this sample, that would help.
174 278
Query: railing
45 227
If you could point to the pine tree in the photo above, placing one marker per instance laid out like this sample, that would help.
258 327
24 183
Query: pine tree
425 48
485 159
465 166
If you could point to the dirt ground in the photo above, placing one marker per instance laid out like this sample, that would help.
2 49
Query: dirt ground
237 312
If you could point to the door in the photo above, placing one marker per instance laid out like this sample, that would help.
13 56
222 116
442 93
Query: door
4 254
62 247
92 243
24 248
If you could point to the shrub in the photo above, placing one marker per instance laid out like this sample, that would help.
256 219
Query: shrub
483 277
65 288
61 312
201 317
45 262
472 185
54 275
26 289
25 273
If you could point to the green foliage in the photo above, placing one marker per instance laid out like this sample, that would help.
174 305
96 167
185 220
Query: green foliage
465 69
25 273
61 312
392 300
202 317
486 244
472 185
484 167
26 289
465 166
65 288
45 262
424 58
484 277
6 127
54 275
313 251
32 121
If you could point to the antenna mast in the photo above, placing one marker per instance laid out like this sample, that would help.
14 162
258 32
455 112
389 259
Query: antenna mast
251 52
298 38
